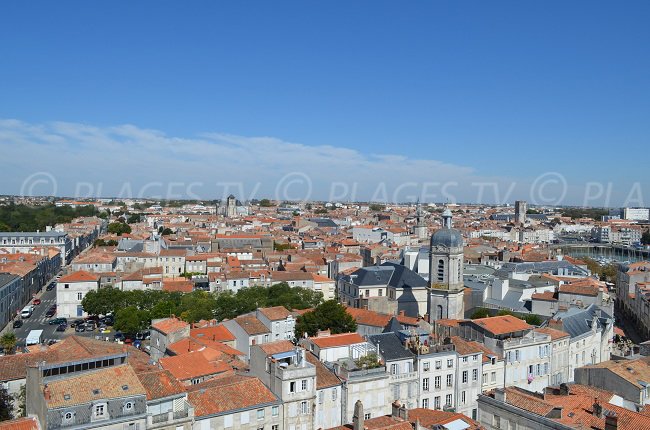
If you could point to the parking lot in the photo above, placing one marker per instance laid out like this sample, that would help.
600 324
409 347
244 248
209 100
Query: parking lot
38 321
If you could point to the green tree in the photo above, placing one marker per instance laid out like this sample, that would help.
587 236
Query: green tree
166 231
368 361
281 246
265 203
103 301
645 238
377 207
533 319
480 313
328 315
8 342
197 306
6 405
133 218
119 228
131 319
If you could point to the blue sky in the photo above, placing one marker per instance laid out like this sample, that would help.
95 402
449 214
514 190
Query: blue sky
496 91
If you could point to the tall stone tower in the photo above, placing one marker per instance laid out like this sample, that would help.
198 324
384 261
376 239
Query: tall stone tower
420 229
446 272
231 206
520 212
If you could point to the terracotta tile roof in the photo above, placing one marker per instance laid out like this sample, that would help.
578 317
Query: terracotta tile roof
27 423
633 371
276 347
384 422
229 393
181 285
547 296
275 313
192 365
14 367
217 333
430 418
79 276
368 317
464 347
555 334
501 324
170 325
107 383
251 325
582 290
335 340
160 384
325 378
527 401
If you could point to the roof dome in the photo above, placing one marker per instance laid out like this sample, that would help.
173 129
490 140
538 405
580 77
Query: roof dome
449 237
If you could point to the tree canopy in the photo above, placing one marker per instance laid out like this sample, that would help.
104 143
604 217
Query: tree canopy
119 228
328 315
645 238
134 310
21 217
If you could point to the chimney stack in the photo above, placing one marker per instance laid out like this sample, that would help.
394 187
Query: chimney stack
598 409
611 421
358 418
46 392
564 389
395 408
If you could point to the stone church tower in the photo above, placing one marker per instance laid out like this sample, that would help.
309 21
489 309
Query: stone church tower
446 272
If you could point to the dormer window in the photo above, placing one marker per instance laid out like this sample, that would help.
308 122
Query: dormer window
68 418
128 407
100 411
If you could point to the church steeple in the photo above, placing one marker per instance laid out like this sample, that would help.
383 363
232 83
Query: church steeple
446 218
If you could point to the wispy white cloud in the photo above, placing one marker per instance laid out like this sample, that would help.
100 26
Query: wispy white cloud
129 161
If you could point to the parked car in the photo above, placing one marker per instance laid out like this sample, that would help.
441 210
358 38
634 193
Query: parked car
50 312
118 336
80 328
36 302
58 321
89 326
18 323
62 327
104 330
76 323
141 335
51 286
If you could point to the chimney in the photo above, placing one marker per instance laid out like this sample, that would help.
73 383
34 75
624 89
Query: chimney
395 408
564 389
404 413
401 313
611 421
46 392
358 418
598 409
500 395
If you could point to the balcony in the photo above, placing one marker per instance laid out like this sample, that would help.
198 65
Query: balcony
171 417
403 376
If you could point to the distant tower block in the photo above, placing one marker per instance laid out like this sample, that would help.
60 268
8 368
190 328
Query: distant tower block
520 211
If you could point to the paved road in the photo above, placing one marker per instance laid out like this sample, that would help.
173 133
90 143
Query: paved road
38 321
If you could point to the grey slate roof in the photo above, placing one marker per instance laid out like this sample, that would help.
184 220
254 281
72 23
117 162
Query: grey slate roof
449 237
390 347
323 222
577 321
6 279
389 273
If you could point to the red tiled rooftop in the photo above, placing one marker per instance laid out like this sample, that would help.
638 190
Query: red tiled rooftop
335 340
170 325
79 276
502 324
